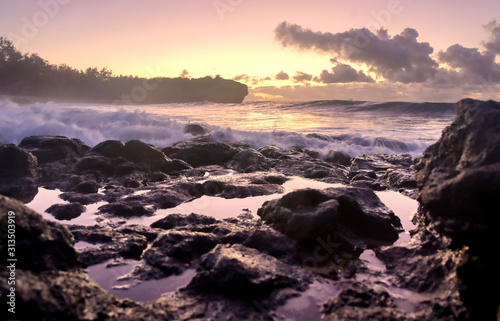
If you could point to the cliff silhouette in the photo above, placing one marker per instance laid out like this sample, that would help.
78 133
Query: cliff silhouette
31 75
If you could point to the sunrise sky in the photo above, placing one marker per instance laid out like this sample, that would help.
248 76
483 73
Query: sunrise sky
283 49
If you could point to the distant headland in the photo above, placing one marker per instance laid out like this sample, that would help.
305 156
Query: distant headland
30 75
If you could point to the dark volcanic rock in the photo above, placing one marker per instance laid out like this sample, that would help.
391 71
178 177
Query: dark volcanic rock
241 272
459 176
194 129
177 220
201 151
126 209
40 245
17 173
351 217
249 161
109 148
54 148
459 184
174 250
337 157
357 301
66 211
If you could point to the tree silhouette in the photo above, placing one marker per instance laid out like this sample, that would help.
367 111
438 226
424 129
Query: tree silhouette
29 74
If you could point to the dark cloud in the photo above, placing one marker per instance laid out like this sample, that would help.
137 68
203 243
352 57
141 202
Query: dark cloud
493 45
401 58
282 76
343 73
472 63
301 77
184 74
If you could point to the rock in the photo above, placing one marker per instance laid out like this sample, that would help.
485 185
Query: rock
146 156
337 157
17 173
126 209
92 163
348 216
399 178
66 211
272 242
87 187
173 251
177 220
202 151
109 148
357 301
127 243
241 272
50 149
194 129
459 176
381 162
40 245
57 295
459 182
275 152
249 161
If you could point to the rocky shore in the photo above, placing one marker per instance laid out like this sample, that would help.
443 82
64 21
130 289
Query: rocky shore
251 266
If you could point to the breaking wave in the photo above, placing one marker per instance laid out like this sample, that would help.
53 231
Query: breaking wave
96 125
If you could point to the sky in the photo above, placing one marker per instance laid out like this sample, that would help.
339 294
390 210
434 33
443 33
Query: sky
378 50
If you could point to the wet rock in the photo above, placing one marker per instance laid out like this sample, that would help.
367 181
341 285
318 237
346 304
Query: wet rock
126 209
84 199
399 178
127 243
357 301
337 157
275 152
66 211
459 183
42 245
194 129
347 216
381 162
109 148
177 220
40 297
249 161
92 163
173 251
202 151
17 173
87 187
459 176
49 149
242 272
272 242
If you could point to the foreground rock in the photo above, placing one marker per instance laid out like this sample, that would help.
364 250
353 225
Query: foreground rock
352 218
17 173
459 184
241 272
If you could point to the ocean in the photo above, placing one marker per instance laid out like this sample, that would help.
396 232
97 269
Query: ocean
351 127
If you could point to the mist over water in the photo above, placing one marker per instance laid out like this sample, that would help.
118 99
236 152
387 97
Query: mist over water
324 126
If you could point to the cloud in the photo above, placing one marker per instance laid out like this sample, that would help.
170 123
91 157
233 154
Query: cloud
472 63
282 76
493 45
401 58
343 73
301 77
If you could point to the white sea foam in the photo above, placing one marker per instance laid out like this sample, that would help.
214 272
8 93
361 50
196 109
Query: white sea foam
353 133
